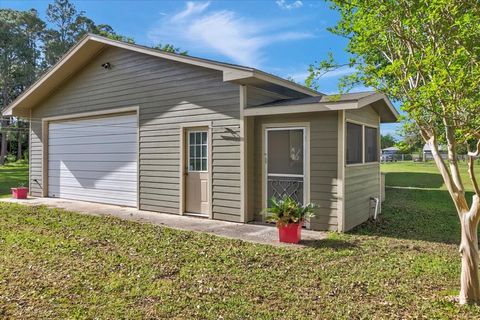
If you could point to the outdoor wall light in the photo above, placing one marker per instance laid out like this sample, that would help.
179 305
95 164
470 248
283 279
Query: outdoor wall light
107 65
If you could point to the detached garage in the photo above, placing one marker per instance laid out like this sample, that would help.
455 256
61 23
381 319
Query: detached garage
94 159
122 124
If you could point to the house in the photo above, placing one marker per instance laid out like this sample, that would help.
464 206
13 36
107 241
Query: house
390 150
123 124
390 154
427 152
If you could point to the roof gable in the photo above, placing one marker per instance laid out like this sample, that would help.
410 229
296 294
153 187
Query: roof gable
80 54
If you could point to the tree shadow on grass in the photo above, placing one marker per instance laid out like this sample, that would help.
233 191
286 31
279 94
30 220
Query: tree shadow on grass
414 180
427 215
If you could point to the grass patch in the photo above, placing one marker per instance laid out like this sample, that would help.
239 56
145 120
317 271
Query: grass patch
59 264
421 175
12 175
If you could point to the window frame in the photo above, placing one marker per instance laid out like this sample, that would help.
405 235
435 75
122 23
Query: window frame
365 144
362 153
201 158
363 125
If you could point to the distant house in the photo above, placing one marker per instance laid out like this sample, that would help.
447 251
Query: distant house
427 152
118 123
390 150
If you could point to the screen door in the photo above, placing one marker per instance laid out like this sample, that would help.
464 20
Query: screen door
285 163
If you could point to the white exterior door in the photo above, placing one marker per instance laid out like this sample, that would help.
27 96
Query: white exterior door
197 176
94 159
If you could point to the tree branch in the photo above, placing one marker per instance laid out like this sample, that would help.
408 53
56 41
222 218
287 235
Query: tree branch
471 173
476 153
458 197
452 157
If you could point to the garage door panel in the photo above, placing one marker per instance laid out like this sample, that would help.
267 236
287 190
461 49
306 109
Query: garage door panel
97 148
100 185
98 123
92 174
88 157
58 133
117 120
89 131
103 139
92 166
94 160
113 199
93 193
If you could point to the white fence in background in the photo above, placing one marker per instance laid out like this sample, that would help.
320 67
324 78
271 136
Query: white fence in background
416 157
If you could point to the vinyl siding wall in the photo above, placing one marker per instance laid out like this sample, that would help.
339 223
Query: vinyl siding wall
361 181
323 164
168 94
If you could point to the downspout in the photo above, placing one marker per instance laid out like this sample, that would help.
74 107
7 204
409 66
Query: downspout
377 206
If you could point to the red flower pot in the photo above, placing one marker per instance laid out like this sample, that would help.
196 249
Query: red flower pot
19 193
290 233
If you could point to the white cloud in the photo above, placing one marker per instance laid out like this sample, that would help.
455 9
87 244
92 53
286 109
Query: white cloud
221 31
300 77
192 9
289 5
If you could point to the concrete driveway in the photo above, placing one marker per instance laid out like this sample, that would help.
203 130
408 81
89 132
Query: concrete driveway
257 233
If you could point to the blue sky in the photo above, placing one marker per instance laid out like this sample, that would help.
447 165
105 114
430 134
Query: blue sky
282 37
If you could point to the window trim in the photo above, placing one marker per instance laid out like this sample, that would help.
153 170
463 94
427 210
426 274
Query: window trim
363 125
365 144
304 129
362 155
201 158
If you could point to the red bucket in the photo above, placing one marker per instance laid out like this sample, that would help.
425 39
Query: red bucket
290 233
19 193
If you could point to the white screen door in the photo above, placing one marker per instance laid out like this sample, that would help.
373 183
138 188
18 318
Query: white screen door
285 163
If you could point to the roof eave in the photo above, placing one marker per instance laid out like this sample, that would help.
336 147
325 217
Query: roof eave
91 44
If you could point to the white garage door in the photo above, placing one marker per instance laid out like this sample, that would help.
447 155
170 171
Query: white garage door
94 159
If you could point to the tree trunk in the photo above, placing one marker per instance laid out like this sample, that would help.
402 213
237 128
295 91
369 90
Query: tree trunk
19 144
3 148
469 279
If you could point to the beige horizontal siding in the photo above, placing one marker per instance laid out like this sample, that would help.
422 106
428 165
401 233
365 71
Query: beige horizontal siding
361 181
169 95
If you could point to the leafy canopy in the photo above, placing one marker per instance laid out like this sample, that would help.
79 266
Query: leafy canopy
424 54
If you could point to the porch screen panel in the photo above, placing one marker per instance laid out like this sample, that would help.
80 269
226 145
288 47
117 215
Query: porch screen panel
285 164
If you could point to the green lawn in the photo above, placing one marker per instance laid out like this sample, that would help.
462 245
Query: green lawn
12 175
57 264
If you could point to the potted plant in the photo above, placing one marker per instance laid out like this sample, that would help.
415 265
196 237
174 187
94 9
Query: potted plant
19 192
289 217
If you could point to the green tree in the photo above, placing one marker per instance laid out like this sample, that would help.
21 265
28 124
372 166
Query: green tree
20 32
107 31
170 48
425 54
412 140
387 141
69 26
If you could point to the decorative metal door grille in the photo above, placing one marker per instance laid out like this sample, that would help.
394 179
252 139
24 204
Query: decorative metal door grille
279 187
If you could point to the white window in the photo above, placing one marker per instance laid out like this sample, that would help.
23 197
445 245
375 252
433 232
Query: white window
197 151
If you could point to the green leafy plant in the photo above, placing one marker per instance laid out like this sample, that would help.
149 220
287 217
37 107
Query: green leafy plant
287 210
